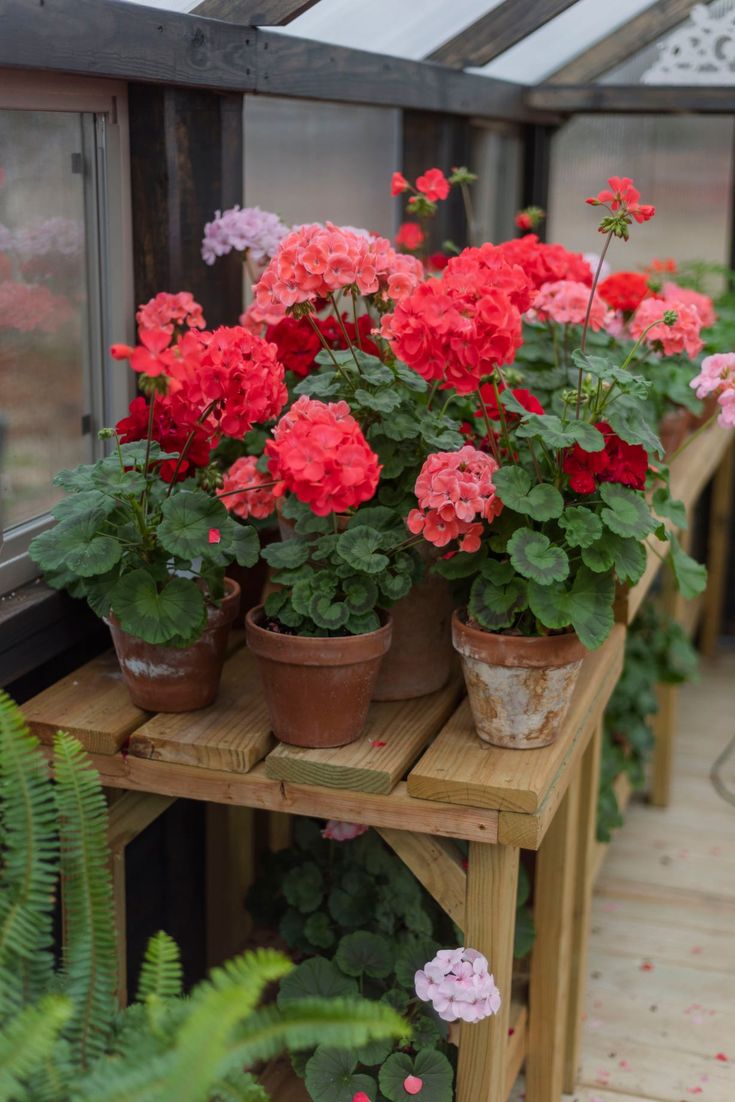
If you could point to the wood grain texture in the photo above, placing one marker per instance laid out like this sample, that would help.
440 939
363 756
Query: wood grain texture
254 13
492 882
230 871
395 734
494 33
131 814
459 768
617 46
92 703
436 864
647 99
232 734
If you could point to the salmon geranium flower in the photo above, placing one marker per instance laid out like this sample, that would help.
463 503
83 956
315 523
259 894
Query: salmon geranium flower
455 492
678 328
621 198
433 184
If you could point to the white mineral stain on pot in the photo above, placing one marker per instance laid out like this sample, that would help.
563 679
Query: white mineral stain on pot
138 667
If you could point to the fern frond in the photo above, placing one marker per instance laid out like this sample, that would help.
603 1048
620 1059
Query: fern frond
160 974
29 844
239 1087
28 1040
89 963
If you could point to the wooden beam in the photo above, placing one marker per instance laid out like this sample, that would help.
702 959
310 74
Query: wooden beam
253 13
497 31
647 99
437 865
619 45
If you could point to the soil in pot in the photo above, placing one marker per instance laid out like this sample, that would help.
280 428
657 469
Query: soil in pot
519 687
177 679
317 690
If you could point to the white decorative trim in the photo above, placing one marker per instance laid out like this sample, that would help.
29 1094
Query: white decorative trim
702 51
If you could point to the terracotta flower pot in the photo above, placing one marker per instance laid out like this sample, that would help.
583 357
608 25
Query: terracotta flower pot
317 690
709 407
420 657
177 679
673 428
519 687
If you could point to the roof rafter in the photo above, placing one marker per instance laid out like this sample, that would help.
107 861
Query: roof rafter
253 13
632 99
619 45
497 31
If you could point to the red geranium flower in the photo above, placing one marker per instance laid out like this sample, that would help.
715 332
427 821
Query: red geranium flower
624 290
410 236
437 262
173 423
544 263
617 462
433 184
296 342
398 183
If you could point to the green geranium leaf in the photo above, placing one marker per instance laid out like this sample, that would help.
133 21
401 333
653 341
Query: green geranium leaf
176 611
666 506
328 613
626 418
330 1077
534 556
359 548
316 978
430 1066
590 603
245 544
410 378
525 933
495 607
362 623
365 954
690 575
96 557
382 401
599 557
186 524
463 564
627 513
555 434
395 586
629 558
550 605
303 887
514 488
323 385
402 426
361 595
374 516
287 555
581 526
375 1052
71 537
607 369
81 504
411 957
319 930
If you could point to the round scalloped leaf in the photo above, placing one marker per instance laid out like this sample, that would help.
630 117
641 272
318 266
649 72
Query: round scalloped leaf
287 555
319 930
691 576
384 400
581 526
549 605
187 520
534 556
245 544
590 604
463 564
330 1077
599 557
395 586
359 548
303 887
555 434
514 488
177 611
361 595
96 557
430 1066
375 1052
629 558
626 418
51 548
365 954
363 624
327 613
495 607
316 978
411 958
627 513
84 503
664 505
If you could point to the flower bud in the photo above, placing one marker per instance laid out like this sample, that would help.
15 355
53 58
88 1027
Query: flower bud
106 434
670 317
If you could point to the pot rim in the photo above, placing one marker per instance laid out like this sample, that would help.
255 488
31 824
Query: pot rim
515 651
316 650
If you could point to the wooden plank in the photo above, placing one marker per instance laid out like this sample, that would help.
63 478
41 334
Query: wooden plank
623 791
588 783
130 815
720 520
617 46
517 1046
255 789
254 13
459 768
280 834
551 957
492 882
229 872
120 910
494 33
92 703
436 864
232 734
395 734
633 99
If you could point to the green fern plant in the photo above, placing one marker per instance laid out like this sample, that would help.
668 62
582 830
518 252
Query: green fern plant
63 1037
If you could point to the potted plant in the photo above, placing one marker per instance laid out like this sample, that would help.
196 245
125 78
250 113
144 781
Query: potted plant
548 510
137 535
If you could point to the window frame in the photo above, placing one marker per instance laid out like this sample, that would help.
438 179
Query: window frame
105 129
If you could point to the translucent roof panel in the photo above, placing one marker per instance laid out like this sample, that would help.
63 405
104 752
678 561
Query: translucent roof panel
563 38
404 28
167 5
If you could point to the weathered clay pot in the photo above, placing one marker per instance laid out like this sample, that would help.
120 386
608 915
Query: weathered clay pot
177 679
317 689
420 657
673 428
519 687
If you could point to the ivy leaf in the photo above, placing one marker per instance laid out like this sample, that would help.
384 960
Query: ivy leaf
330 1076
590 603
287 555
581 526
627 513
495 607
303 887
514 488
690 575
359 548
534 556
327 613
365 954
555 434
430 1066
315 978
666 506
187 519
177 610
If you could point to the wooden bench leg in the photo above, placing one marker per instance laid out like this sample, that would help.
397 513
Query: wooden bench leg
589 783
717 553
280 831
492 884
550 962
230 870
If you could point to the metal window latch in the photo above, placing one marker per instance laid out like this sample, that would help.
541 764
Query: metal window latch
77 164
86 424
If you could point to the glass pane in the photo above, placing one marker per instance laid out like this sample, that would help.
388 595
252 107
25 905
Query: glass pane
43 324
496 158
310 162
682 165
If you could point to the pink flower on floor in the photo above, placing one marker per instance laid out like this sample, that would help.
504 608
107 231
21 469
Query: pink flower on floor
565 302
458 985
343 832
681 337
717 376
455 492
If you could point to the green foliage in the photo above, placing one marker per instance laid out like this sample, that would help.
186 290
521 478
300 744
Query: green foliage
62 1036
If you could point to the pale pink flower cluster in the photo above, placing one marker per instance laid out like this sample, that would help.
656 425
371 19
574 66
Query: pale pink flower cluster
565 302
258 231
455 493
717 376
31 307
49 235
256 499
343 832
315 261
681 337
458 985
703 304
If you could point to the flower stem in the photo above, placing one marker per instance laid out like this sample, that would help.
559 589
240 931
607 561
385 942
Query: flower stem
468 213
247 489
345 334
490 429
189 441
586 326
358 335
337 365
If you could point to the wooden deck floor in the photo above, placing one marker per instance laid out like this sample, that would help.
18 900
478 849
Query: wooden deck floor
660 1021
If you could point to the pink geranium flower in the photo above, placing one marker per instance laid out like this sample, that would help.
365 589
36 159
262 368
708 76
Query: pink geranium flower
343 832
681 337
458 985
717 376
455 493
703 304
256 499
565 302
